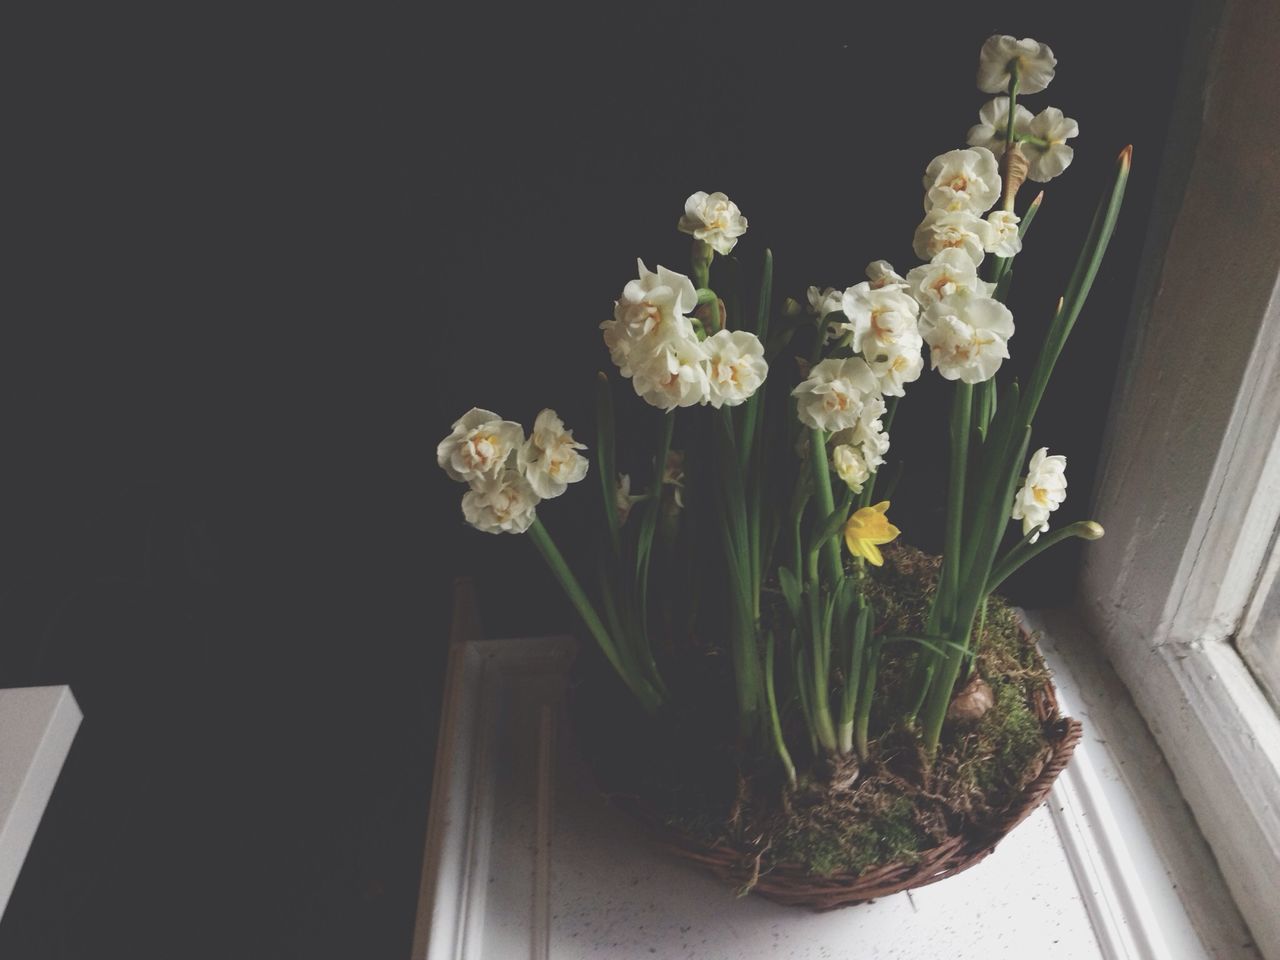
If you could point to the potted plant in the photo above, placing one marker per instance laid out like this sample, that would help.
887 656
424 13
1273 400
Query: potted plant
832 715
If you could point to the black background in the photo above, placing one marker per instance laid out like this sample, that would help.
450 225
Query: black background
265 261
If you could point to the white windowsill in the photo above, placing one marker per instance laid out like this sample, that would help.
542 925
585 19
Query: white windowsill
523 861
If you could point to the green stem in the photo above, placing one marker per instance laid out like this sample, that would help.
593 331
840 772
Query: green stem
700 258
1028 138
853 678
977 642
924 681
961 417
1026 551
642 687
826 502
986 538
863 721
775 724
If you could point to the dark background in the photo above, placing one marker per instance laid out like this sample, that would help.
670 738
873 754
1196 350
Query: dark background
266 261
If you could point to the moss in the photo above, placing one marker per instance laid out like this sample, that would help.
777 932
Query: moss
1010 734
852 844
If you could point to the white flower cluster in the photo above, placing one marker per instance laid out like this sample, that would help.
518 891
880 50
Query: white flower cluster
882 326
858 451
509 475
1043 137
967 331
653 342
943 302
1041 492
843 397
960 186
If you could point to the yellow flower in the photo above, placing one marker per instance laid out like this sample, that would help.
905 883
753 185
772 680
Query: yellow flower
866 529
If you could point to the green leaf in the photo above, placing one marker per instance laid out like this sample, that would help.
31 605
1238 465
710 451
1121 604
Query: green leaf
1001 292
936 644
790 592
1025 223
821 532
764 304
846 594
1081 282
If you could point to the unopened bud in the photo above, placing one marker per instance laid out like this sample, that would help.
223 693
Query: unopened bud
1091 530
1015 167
712 316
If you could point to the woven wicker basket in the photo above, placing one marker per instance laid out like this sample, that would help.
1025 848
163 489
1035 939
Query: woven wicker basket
791 885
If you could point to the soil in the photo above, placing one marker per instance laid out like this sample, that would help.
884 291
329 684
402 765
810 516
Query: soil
684 771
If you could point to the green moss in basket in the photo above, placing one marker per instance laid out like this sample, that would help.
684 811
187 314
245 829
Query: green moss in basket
892 836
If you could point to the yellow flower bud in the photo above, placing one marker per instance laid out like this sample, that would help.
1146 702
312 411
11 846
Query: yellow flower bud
866 529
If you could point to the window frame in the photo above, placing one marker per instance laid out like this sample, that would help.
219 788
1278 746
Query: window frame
1195 418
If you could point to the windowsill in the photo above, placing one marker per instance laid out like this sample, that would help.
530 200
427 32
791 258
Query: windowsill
522 861
1142 840
1222 739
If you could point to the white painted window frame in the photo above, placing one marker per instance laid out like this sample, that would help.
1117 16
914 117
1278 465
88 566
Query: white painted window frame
1189 488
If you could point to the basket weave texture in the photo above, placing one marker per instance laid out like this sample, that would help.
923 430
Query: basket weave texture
791 885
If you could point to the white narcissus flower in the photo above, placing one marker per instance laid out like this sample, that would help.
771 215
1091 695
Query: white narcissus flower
1004 240
858 451
821 304
993 124
623 498
968 337
735 366
501 504
870 434
833 395
1049 157
673 479
714 218
850 466
895 365
478 446
967 180
951 272
886 313
652 310
880 273
883 324
1035 64
549 459
673 375
1041 493
951 229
